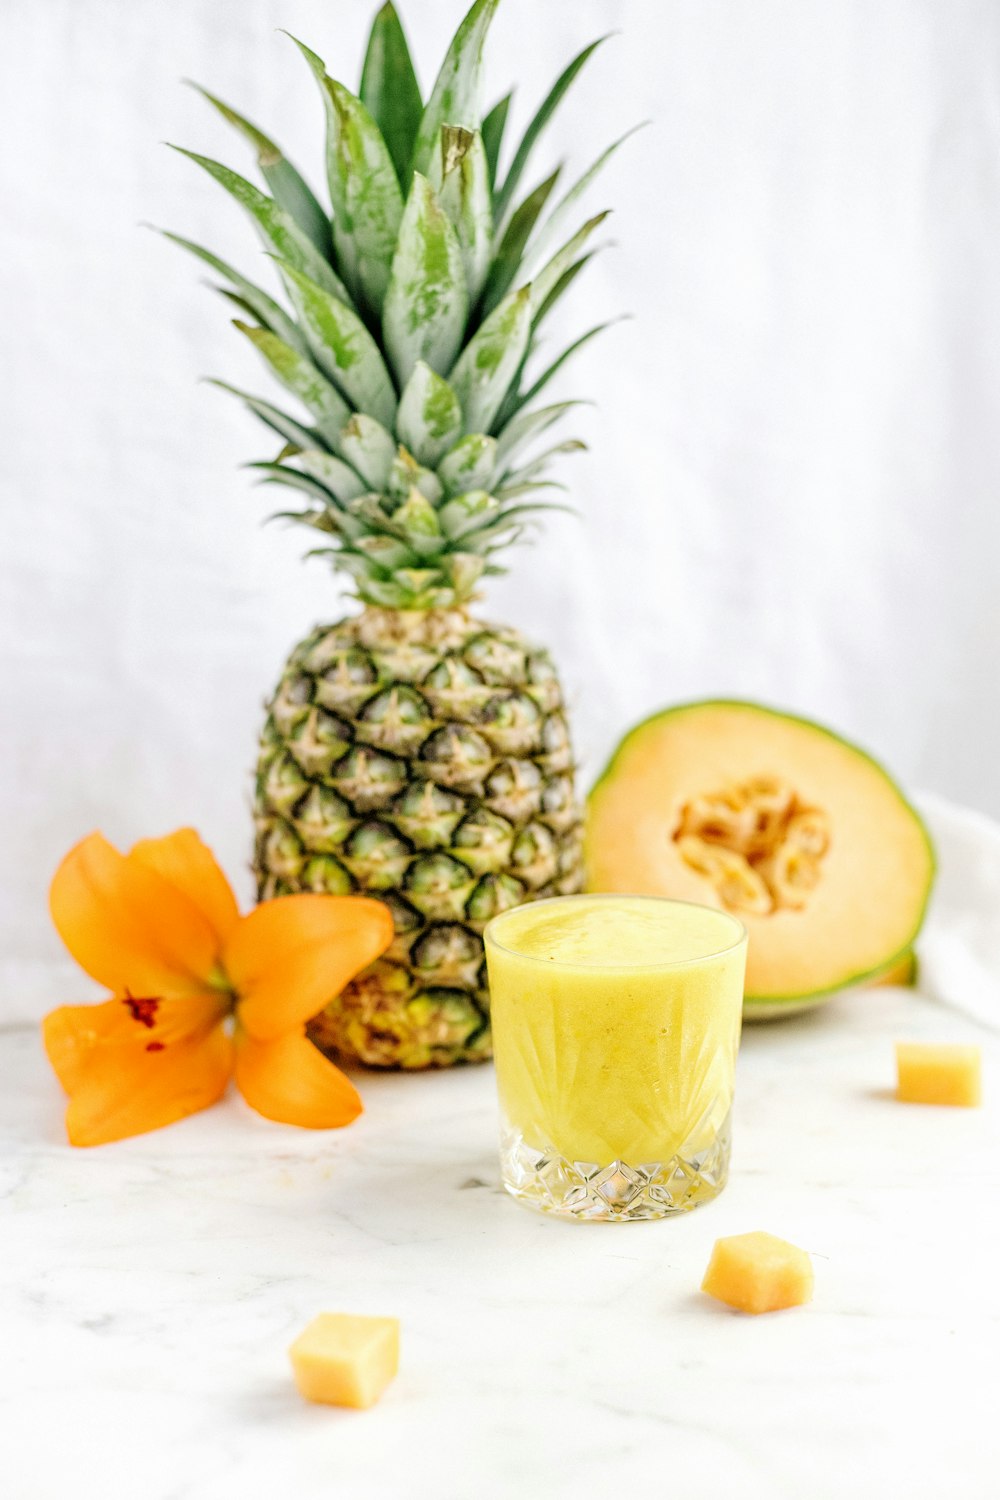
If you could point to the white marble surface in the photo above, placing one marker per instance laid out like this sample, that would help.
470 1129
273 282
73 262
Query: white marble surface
149 1291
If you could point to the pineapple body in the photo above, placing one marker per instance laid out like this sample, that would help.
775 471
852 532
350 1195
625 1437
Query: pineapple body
421 756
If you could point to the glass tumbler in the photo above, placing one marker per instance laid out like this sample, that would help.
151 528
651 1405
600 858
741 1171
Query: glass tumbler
616 1023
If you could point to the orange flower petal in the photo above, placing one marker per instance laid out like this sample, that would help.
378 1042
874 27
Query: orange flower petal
192 868
127 926
126 1089
292 955
290 1080
74 1034
70 1039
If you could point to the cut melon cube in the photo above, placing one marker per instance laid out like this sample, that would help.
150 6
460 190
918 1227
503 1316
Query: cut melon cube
344 1360
758 1273
938 1074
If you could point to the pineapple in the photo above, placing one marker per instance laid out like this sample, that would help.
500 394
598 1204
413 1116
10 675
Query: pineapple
412 750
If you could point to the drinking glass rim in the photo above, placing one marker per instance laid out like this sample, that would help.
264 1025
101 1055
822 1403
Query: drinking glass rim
489 936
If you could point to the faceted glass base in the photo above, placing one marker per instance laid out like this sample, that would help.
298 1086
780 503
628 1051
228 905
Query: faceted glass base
616 1190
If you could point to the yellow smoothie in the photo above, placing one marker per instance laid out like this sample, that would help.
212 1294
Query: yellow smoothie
616 1022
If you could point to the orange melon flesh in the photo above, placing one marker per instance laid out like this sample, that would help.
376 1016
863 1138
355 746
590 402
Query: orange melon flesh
344 1360
938 1074
868 903
758 1273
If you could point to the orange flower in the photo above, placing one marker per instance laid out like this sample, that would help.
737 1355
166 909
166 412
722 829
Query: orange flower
160 928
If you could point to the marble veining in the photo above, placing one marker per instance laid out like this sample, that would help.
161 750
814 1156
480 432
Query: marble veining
148 1292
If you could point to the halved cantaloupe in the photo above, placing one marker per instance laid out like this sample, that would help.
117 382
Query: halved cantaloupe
801 835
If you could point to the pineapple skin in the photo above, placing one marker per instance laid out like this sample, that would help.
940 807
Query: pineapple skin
423 757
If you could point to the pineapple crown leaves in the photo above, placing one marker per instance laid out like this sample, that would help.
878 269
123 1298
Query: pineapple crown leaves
412 316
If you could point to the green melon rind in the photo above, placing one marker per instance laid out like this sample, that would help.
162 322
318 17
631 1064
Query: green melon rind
770 1007
777 1010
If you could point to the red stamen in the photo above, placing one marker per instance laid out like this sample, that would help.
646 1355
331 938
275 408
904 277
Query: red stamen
142 1010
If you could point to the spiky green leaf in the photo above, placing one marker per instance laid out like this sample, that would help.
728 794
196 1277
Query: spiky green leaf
339 478
460 177
320 520
253 308
279 421
368 448
364 189
503 539
494 126
562 286
465 513
551 274
408 475
275 473
420 525
509 492
463 571
429 419
427 303
544 114
455 99
290 189
406 588
540 465
364 570
418 580
557 218
392 595
489 363
282 474
301 377
343 348
485 536
390 91
471 464
527 425
517 400
508 260
264 308
391 554
277 228
370 509
413 523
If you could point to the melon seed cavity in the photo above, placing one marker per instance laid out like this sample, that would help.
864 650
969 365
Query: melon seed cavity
759 844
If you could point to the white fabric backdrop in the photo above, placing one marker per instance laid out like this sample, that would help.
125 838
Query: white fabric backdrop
793 490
